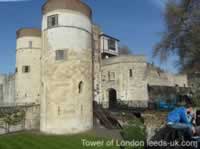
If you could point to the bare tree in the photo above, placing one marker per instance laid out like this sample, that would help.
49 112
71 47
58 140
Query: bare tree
182 35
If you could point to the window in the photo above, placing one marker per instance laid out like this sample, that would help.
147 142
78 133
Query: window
130 73
103 77
52 21
111 76
60 55
59 110
30 44
111 44
16 70
80 87
26 69
108 75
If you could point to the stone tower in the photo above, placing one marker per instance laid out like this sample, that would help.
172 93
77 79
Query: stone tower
66 103
28 52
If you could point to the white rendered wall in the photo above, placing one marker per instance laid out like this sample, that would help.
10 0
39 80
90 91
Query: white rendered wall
71 32
63 109
28 84
104 46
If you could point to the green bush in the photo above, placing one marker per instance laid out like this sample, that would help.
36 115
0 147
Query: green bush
135 130
13 118
196 101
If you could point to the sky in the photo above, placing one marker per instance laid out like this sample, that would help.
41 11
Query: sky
137 23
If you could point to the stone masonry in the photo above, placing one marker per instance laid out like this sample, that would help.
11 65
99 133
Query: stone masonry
70 62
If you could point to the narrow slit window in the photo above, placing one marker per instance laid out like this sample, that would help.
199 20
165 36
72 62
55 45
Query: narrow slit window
59 110
131 73
30 44
80 87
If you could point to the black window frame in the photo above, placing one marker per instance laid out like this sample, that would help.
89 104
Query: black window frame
52 21
130 73
26 69
111 44
60 55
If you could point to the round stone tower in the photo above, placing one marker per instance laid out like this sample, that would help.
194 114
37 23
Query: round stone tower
66 104
28 50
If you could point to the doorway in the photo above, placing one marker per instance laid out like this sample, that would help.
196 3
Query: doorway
112 98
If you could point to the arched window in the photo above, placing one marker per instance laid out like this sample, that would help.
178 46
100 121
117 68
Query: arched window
80 87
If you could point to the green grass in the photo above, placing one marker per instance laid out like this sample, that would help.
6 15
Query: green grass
28 140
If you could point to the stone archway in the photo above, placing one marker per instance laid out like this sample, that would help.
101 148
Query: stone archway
112 95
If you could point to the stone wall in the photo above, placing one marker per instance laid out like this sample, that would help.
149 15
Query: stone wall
2 82
31 120
28 84
129 76
12 128
156 76
181 80
67 83
126 75
97 63
7 88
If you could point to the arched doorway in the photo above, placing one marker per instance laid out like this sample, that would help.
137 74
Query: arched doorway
112 94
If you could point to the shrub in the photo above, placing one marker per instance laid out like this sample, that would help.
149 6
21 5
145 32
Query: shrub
135 130
196 101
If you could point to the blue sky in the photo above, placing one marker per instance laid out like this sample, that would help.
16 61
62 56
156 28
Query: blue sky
137 23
